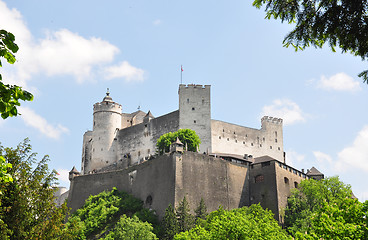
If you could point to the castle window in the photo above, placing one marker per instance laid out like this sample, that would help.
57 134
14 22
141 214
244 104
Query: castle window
107 161
195 121
286 180
234 132
149 200
275 134
145 125
251 144
219 137
260 145
284 167
259 178
202 101
279 164
228 139
246 135
236 141
187 100
264 139
93 150
278 148
223 130
243 142
295 184
270 147
193 108
264 164
275 140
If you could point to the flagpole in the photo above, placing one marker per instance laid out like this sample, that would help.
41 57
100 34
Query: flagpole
181 74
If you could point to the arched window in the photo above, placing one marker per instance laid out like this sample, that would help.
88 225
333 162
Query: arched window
286 180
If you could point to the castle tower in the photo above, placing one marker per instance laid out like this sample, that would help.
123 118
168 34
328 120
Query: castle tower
272 128
106 124
195 112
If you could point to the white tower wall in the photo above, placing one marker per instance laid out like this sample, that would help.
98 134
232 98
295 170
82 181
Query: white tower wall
106 124
195 112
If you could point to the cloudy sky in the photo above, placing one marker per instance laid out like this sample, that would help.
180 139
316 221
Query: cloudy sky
71 51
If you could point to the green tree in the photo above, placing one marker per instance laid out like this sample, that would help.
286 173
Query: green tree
101 212
185 219
340 23
316 206
4 175
187 136
27 208
243 223
10 94
169 223
131 229
201 211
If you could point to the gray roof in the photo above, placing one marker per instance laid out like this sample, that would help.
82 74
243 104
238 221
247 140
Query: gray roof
74 170
313 172
263 159
149 114
235 156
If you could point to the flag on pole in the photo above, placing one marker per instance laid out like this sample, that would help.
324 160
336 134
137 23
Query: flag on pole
182 68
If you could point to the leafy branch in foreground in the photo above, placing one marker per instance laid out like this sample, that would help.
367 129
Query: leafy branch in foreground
338 23
10 94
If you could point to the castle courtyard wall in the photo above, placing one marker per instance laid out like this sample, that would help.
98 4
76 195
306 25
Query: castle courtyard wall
167 179
153 180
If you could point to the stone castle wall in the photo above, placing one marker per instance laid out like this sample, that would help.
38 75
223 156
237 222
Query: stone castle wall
167 179
235 139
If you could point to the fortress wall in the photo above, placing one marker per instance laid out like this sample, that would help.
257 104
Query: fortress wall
263 186
86 151
235 139
294 177
139 141
217 181
150 180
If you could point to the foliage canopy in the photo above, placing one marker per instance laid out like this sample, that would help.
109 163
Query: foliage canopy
187 136
340 23
27 209
10 94
243 223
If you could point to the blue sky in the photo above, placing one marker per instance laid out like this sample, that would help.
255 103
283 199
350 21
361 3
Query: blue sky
71 51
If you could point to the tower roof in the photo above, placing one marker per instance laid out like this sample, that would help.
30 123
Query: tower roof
313 172
149 114
107 98
74 170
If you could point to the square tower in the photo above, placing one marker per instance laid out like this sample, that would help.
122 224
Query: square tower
195 112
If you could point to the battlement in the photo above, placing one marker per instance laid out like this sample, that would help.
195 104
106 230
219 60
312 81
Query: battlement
271 120
181 86
107 106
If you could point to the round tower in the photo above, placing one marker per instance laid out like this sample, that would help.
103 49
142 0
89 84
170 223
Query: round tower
106 124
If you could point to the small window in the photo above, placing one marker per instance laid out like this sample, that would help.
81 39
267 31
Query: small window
187 100
275 134
145 125
260 145
193 108
202 101
295 184
251 144
246 135
270 147
278 148
236 141
264 139
195 121
228 139
259 178
219 137
149 200
223 130
275 140
286 180
243 142
234 132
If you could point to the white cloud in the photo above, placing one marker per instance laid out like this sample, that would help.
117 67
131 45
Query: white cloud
286 109
58 53
157 22
322 158
293 158
355 155
124 70
36 121
339 82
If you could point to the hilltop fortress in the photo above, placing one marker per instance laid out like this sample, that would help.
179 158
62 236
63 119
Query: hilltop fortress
235 166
